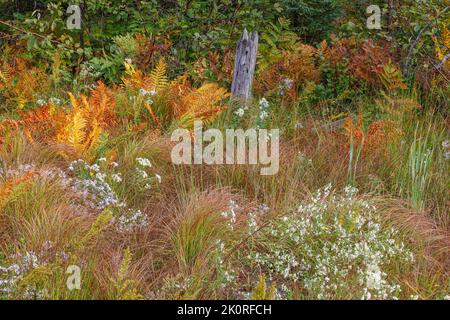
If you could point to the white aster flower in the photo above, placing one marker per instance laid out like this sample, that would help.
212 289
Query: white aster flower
144 162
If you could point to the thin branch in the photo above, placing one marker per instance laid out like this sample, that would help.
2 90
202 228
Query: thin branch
414 44
34 34
442 74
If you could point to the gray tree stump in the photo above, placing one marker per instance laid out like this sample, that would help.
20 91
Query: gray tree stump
244 66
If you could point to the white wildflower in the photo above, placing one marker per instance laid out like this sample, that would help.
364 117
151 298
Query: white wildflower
131 220
117 178
144 162
373 277
41 102
263 103
240 112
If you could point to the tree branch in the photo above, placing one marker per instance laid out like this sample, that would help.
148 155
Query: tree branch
34 34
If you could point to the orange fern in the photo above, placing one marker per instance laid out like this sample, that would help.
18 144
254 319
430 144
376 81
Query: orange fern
20 82
204 103
101 105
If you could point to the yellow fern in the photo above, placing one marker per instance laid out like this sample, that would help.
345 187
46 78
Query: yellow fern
81 129
156 80
75 134
93 136
397 106
158 77
4 79
446 35
134 78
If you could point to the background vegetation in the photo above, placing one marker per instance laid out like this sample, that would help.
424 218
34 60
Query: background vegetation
358 210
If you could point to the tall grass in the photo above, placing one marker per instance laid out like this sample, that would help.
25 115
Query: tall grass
422 169
415 176
354 155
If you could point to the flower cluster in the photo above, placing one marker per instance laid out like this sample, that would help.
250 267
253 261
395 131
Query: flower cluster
20 170
88 71
143 177
230 214
97 190
91 183
263 109
42 102
131 220
333 244
285 85
253 217
241 111
11 276
88 74
148 94
226 274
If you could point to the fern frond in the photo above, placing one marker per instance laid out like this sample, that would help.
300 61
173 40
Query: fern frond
446 37
5 78
102 104
73 134
92 140
134 78
204 103
158 77
391 77
19 82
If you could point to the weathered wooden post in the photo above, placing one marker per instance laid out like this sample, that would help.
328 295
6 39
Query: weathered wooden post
244 66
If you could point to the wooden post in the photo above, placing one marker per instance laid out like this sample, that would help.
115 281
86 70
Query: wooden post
244 66
390 13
